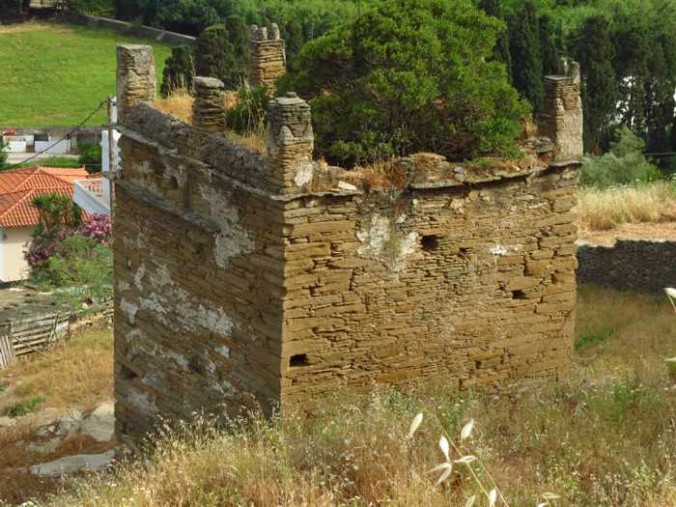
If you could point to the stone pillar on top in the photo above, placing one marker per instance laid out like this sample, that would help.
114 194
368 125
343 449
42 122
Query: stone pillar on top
562 116
208 109
290 143
136 82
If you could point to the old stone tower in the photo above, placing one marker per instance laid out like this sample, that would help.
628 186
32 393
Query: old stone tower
245 276
267 56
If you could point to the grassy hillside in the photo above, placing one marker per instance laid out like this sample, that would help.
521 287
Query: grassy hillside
602 436
55 74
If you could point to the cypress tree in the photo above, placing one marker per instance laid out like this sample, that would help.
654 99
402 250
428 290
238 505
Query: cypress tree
632 53
524 44
211 53
178 71
221 51
594 51
238 57
501 51
550 42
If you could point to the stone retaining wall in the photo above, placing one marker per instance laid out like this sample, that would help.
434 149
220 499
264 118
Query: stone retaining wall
646 265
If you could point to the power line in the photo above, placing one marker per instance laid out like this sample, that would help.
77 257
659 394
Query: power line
68 135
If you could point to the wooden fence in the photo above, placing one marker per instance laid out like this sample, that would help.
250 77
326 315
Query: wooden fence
34 332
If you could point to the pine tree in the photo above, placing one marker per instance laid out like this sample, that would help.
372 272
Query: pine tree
524 44
178 71
501 51
594 51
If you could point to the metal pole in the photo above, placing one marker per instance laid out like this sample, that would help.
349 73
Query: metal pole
111 154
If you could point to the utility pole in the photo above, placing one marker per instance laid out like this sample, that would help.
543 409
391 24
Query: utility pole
111 152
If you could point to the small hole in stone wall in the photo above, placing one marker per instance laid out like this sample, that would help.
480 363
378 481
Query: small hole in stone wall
430 243
298 360
127 373
173 183
518 294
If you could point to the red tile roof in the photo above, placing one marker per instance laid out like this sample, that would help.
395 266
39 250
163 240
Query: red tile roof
18 188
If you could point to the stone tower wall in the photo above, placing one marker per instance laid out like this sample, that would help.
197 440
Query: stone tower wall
245 278
462 286
563 118
267 56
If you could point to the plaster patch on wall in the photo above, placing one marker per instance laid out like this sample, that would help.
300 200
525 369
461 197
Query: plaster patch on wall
174 307
141 401
381 238
138 276
501 250
303 174
233 240
130 310
223 350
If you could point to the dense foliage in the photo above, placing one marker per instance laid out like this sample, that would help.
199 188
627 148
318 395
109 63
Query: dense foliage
248 113
221 52
10 9
69 253
412 75
627 49
90 156
178 71
623 164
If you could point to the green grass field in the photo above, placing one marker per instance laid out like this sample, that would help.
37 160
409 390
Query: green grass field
54 74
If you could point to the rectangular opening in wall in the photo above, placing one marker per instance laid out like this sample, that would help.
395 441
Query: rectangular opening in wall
298 360
429 242
519 294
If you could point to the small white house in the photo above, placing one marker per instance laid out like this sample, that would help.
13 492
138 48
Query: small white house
18 216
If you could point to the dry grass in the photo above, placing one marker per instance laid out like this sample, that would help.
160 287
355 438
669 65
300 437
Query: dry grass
178 104
604 436
601 210
75 374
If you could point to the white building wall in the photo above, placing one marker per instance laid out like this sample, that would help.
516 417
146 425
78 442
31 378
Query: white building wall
14 242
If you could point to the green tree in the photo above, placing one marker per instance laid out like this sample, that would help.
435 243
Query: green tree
217 54
593 49
410 75
550 44
178 71
527 72
622 165
10 9
501 52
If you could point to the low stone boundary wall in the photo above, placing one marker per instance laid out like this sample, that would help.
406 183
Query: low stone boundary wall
131 29
629 264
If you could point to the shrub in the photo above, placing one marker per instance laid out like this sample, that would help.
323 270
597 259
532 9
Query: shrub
248 113
410 75
221 52
178 71
90 157
3 157
623 164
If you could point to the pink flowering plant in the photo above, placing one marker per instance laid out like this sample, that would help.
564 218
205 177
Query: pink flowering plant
75 255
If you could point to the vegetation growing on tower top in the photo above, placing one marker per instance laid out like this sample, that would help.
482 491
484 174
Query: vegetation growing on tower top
409 76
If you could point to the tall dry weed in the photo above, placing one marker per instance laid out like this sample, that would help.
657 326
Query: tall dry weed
601 210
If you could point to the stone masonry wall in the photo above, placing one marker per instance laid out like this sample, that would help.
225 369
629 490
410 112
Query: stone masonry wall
464 285
562 117
267 56
245 278
629 264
